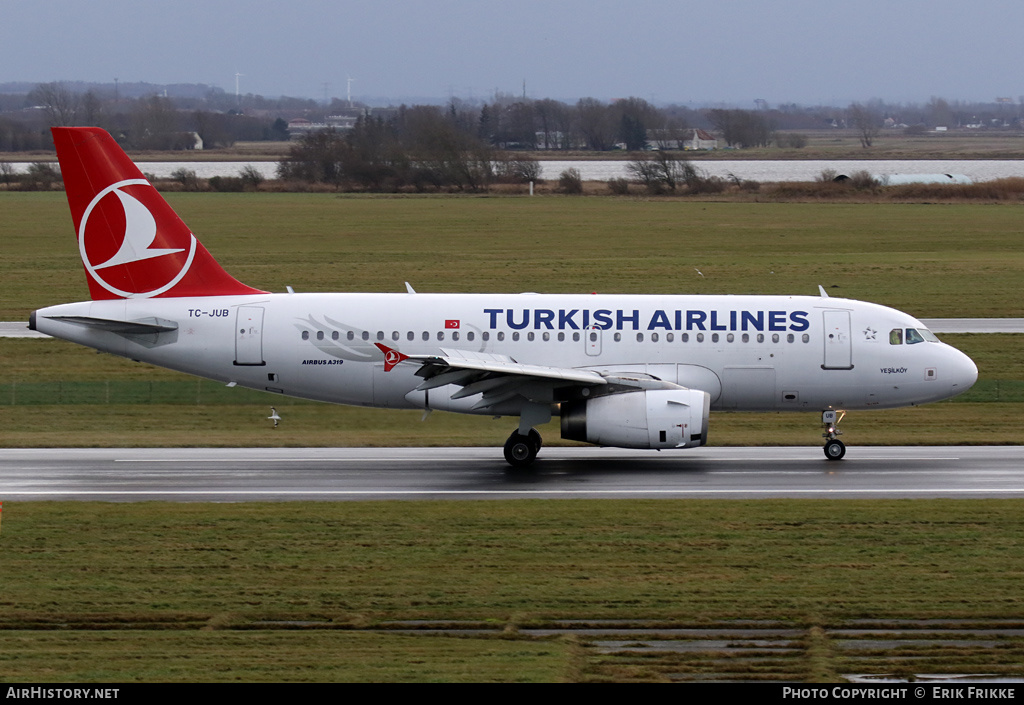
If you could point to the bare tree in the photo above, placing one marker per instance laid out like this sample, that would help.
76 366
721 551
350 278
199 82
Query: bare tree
867 123
61 105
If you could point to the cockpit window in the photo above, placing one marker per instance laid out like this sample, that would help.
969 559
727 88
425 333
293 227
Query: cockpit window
896 336
913 336
928 335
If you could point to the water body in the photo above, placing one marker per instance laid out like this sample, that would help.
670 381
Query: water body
764 170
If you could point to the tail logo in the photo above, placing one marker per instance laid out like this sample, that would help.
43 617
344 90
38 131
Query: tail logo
137 268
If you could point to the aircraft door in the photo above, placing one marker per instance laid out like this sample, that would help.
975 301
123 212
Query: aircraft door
838 343
249 336
592 341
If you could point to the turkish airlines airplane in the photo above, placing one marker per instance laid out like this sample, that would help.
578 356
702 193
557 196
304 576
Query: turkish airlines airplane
625 371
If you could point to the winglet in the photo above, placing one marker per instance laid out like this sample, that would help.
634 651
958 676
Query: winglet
821 289
391 356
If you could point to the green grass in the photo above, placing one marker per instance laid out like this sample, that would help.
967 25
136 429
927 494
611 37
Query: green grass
152 591
930 260
521 561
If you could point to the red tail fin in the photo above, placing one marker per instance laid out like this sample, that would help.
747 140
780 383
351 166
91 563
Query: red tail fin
133 245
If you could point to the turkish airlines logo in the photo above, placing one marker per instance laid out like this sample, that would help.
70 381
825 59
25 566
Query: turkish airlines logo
391 356
136 269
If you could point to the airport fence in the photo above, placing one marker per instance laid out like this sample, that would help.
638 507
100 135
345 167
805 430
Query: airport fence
200 392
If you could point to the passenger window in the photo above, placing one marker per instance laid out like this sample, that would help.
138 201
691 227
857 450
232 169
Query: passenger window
501 335
561 337
335 335
654 337
440 335
669 337
351 335
305 335
366 335
639 337
319 335
410 336
896 336
394 335
469 335
515 336
426 335
714 337
455 335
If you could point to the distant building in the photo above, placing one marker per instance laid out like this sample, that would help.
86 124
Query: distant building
699 139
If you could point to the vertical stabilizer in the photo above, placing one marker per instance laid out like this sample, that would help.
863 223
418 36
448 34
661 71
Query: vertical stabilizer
133 245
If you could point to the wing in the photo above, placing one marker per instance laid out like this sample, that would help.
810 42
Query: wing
500 379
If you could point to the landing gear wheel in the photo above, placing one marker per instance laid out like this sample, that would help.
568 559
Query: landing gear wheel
835 449
520 450
535 440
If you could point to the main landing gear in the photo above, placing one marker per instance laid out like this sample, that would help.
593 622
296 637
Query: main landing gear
521 450
835 449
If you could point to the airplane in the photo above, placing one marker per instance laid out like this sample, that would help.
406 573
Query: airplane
630 371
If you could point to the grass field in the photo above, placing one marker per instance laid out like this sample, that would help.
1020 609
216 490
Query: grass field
122 592
205 592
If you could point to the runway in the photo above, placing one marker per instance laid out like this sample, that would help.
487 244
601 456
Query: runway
352 474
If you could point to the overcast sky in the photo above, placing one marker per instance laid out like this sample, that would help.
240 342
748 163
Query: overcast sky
734 51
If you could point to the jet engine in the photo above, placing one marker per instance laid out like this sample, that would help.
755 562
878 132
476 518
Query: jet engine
653 418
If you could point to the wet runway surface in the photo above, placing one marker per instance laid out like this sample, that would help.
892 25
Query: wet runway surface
348 474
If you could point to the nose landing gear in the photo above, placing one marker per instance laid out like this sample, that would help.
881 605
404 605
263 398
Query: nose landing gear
835 449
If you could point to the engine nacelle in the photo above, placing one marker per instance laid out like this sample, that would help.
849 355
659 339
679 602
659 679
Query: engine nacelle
654 418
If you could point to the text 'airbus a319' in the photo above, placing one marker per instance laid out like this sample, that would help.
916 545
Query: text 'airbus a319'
625 371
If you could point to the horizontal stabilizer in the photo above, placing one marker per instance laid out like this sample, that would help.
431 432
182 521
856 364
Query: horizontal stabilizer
140 327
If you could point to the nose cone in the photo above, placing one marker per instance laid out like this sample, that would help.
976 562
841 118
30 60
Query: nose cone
963 372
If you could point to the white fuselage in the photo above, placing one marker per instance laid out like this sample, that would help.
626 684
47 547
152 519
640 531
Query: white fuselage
749 353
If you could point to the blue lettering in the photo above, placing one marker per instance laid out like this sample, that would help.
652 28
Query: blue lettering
659 320
493 313
603 319
714 322
565 320
543 316
621 317
752 320
776 320
799 320
695 320
510 319
679 320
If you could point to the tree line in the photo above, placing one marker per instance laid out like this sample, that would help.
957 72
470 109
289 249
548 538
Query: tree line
505 121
